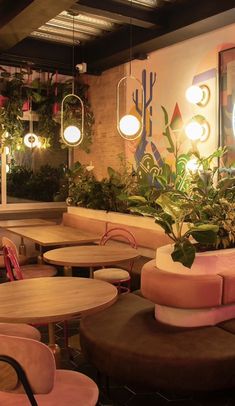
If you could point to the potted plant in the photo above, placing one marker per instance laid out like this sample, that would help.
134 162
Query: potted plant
199 218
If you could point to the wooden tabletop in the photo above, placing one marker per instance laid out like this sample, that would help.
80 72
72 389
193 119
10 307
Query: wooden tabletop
55 235
50 300
25 223
90 255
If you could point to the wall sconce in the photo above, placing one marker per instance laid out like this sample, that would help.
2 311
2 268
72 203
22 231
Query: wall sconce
72 135
199 95
198 129
130 126
192 165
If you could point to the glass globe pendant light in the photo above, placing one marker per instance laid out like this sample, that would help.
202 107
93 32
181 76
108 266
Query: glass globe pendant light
130 126
72 135
31 140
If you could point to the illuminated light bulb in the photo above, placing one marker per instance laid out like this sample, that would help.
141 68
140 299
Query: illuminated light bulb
31 140
18 147
7 150
72 134
194 94
7 168
194 130
129 125
192 165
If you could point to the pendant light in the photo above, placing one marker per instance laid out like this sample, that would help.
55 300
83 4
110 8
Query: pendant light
130 126
30 139
72 135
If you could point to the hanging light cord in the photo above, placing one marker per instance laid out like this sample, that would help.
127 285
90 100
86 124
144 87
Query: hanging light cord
131 34
73 60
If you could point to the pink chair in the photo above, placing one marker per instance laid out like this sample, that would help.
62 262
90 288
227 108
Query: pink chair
117 276
43 385
14 273
28 271
20 330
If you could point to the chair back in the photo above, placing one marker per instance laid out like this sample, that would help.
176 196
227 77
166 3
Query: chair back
120 234
35 358
12 264
6 242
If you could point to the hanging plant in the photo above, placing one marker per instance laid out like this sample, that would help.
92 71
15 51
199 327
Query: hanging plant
44 96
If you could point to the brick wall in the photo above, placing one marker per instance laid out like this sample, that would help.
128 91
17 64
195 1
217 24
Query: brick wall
107 143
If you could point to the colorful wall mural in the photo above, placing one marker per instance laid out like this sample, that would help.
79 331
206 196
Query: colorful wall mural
165 77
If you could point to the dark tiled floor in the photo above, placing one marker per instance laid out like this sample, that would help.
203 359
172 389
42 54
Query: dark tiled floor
122 394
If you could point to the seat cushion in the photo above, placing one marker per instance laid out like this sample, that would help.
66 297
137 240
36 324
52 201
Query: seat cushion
127 343
111 275
70 388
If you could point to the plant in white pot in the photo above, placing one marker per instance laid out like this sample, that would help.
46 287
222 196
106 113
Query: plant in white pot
201 217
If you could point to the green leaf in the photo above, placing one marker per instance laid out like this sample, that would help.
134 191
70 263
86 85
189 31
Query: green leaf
144 210
171 206
164 224
137 199
184 252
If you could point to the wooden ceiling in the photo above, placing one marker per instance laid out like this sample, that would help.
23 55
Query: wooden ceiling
44 33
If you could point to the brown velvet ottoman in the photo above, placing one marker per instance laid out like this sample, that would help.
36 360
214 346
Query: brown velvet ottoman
126 342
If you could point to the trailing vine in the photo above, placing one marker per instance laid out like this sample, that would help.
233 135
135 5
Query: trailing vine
43 96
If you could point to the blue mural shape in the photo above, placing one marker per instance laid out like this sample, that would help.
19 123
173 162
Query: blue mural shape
147 81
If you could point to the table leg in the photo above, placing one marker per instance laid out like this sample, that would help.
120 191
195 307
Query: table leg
40 256
67 271
52 344
91 269
22 247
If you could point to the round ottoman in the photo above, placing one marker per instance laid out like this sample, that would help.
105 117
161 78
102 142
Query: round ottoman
127 343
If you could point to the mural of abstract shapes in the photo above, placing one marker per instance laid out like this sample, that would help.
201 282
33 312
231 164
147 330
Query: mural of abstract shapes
147 171
148 83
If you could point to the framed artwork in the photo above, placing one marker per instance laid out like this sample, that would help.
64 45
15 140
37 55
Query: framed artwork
227 104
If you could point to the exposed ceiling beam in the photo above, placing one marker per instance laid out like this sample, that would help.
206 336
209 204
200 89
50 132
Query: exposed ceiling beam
19 20
140 17
179 26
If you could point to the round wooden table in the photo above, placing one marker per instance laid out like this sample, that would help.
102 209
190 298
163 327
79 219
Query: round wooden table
49 300
90 255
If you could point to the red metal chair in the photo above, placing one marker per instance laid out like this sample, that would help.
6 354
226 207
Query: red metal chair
27 271
117 276
14 273
43 384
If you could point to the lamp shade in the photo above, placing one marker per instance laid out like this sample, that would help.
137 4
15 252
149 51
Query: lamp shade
31 140
198 95
194 94
129 125
72 134
194 130
192 165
